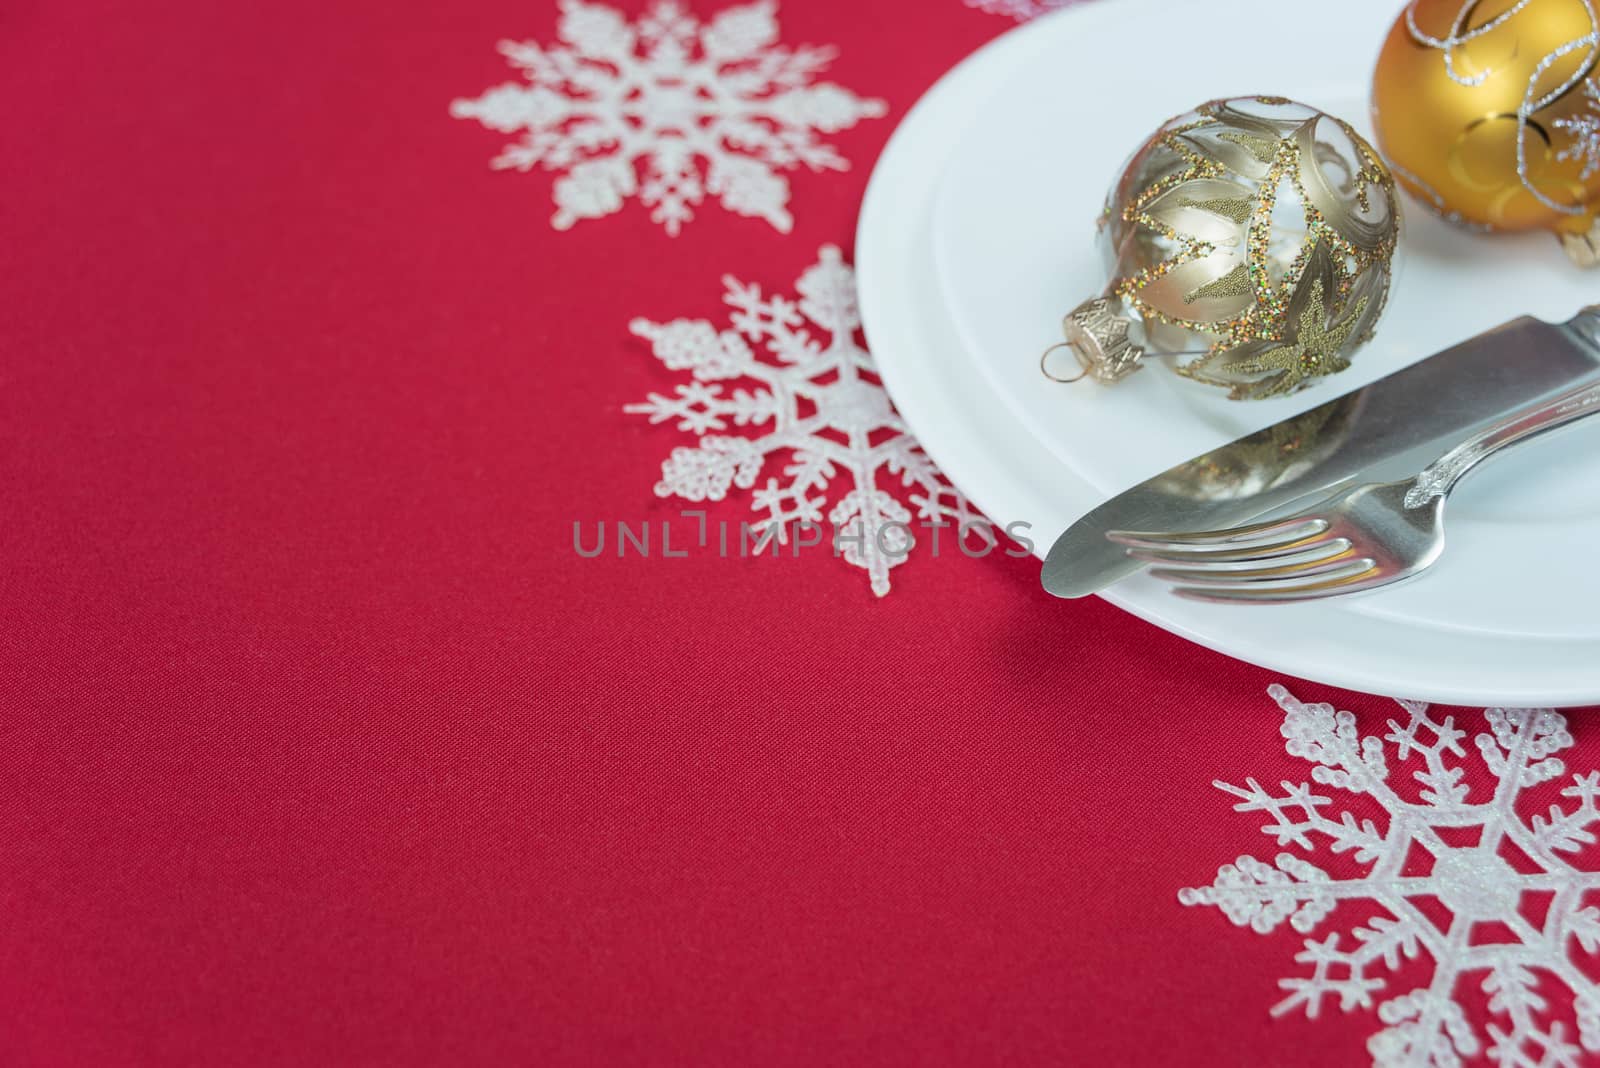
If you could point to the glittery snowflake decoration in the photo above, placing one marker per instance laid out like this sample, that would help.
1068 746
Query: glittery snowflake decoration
1021 10
817 402
1435 846
1585 133
668 109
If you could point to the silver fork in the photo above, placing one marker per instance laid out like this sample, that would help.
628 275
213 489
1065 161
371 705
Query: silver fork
1368 536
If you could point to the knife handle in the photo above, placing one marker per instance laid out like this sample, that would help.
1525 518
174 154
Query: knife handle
1586 326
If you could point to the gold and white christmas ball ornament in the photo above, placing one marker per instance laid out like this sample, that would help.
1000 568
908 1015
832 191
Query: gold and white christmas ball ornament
1252 240
1489 111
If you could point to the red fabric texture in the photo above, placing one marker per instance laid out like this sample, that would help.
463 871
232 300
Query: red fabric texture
319 744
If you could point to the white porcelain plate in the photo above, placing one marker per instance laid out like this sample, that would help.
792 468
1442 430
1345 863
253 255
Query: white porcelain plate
977 236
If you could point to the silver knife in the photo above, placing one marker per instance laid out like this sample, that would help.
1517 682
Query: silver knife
1390 428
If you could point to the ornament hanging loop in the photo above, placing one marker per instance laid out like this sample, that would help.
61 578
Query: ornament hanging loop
1044 364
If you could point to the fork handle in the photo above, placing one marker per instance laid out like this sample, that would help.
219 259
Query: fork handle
1441 476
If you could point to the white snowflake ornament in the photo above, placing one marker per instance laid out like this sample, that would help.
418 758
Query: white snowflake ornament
1584 130
1466 841
817 400
670 110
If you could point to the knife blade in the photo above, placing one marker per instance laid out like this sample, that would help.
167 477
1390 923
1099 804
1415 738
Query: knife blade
1389 428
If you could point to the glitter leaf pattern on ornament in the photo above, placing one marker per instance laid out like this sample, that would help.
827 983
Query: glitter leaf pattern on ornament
670 110
1276 303
814 401
1448 879
1312 353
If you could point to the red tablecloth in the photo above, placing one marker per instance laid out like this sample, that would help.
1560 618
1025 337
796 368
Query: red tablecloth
322 745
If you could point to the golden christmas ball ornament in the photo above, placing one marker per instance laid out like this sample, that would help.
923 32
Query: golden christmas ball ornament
1253 237
1489 112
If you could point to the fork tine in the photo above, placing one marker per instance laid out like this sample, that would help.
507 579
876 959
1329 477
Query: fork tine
1279 532
1325 567
1246 557
1290 594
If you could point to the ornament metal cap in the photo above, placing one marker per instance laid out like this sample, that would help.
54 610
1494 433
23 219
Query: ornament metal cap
1098 338
1583 249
